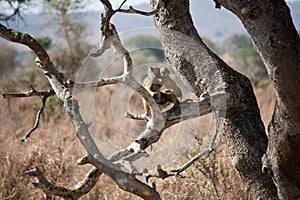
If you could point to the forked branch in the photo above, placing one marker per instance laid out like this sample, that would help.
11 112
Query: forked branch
33 92
160 173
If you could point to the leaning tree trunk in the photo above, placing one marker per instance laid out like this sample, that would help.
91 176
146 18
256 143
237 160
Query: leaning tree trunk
271 27
205 72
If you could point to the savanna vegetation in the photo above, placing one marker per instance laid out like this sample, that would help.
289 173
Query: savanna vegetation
55 148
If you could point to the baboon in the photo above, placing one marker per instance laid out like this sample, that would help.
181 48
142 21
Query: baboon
168 83
154 83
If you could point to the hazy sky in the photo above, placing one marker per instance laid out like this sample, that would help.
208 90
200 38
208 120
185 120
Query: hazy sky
95 5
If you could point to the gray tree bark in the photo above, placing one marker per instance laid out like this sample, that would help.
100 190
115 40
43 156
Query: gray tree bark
271 28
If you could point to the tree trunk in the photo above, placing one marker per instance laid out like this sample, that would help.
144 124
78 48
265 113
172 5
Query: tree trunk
204 71
271 27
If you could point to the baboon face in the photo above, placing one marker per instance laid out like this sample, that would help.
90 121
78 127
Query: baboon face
154 71
155 91
155 87
164 72
156 96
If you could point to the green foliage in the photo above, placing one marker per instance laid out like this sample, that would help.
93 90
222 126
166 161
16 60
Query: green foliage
245 57
209 43
52 108
148 46
45 42
234 42
28 77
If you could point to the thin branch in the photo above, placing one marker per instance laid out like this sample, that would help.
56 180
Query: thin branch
160 173
121 5
139 12
33 92
30 93
37 120
8 17
155 124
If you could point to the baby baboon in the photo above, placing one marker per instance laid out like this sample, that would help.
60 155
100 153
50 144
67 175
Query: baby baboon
154 83
168 83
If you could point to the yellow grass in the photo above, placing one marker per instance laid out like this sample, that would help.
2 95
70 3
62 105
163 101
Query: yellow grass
55 149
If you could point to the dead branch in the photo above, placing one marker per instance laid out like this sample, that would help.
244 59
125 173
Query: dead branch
155 123
27 40
16 12
140 12
78 191
160 173
37 120
135 11
125 181
33 92
121 5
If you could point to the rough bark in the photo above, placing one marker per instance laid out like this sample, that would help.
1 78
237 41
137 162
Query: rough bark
204 71
271 27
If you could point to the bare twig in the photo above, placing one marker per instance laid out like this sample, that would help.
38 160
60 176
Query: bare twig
33 92
37 120
139 12
199 155
124 1
8 17
160 173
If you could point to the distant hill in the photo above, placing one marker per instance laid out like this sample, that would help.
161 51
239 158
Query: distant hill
211 23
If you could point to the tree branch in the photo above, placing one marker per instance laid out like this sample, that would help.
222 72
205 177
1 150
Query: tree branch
135 11
27 40
78 191
122 179
140 12
155 123
33 92
160 173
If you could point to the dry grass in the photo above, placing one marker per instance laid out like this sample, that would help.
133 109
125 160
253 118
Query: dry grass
55 149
